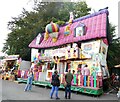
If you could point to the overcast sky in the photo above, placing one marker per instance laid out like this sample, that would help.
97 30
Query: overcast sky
12 8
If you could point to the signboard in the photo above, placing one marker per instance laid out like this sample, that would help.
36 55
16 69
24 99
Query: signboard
48 52
88 49
34 52
60 52
11 57
103 52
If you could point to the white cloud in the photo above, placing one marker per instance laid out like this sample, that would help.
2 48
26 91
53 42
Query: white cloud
113 8
9 9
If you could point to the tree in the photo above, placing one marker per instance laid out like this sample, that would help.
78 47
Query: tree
22 33
27 25
113 57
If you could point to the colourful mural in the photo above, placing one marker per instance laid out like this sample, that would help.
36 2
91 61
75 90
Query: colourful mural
80 45
88 49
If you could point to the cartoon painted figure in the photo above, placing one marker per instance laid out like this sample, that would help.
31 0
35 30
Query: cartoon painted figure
94 70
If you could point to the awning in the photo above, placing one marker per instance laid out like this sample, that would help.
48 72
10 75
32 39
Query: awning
10 59
117 66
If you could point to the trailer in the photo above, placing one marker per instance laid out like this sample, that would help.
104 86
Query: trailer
79 42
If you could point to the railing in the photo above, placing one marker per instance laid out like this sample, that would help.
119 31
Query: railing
84 81
78 80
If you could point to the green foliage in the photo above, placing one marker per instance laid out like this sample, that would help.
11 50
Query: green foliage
2 57
113 56
27 25
60 22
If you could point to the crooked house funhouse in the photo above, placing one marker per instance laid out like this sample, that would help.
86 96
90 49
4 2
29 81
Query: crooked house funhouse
79 42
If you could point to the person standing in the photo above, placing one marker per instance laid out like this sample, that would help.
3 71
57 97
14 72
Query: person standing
29 80
55 84
113 78
86 70
86 74
68 79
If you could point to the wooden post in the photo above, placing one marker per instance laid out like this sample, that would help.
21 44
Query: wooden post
91 81
95 84
34 75
19 73
81 80
85 77
61 78
75 79
25 74
98 81
88 81
39 76
72 81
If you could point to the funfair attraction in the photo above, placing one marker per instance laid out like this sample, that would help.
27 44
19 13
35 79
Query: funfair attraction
79 42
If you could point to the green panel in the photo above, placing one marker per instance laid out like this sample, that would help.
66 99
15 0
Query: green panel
75 79
95 81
